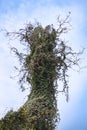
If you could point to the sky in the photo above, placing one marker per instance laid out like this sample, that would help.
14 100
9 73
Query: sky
14 14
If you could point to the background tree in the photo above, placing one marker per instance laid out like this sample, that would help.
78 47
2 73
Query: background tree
46 63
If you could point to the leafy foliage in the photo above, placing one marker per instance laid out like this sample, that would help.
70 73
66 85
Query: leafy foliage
46 63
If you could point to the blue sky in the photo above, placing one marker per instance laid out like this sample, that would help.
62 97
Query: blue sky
14 14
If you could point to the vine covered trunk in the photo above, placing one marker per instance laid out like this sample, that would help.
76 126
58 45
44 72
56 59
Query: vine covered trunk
46 62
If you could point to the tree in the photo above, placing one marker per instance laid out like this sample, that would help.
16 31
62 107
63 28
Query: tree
46 62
